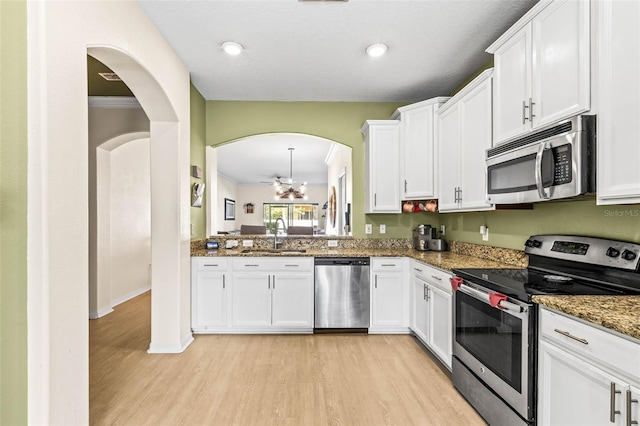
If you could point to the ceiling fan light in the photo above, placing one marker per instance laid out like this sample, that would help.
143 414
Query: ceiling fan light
376 50
232 48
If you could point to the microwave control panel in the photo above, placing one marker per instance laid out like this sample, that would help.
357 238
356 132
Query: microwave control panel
562 164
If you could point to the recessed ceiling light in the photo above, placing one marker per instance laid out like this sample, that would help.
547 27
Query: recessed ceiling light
376 50
232 48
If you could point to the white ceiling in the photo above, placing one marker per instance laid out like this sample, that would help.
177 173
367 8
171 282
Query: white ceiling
315 51
261 158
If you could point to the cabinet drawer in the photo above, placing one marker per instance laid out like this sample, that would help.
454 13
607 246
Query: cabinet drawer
432 275
387 264
273 264
210 264
591 343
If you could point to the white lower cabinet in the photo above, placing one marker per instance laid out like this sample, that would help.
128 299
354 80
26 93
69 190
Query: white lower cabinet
586 376
389 296
253 295
432 309
209 290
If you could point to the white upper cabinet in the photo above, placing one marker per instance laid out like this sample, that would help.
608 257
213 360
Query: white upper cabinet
418 151
618 94
464 134
542 68
382 166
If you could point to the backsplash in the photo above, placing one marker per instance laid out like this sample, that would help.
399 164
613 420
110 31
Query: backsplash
513 257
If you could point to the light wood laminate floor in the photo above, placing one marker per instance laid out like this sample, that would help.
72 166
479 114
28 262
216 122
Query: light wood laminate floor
265 380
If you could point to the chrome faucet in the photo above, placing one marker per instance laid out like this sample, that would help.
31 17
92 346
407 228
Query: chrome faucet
276 243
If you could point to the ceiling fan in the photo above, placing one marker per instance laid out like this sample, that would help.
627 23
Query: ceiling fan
287 190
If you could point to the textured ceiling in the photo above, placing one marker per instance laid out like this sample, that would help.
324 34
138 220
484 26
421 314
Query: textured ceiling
315 51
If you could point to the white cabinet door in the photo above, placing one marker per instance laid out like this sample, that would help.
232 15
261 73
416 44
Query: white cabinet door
251 300
420 320
512 86
618 97
209 298
382 164
440 323
561 64
388 300
632 400
292 300
573 392
449 158
464 134
475 136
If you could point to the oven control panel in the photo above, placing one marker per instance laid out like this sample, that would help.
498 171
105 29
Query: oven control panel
595 251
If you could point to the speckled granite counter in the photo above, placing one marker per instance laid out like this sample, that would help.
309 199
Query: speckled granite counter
618 313
461 256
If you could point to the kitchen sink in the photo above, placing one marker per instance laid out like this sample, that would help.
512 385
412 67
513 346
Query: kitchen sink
274 251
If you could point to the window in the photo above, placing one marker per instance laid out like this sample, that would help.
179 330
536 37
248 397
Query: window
292 214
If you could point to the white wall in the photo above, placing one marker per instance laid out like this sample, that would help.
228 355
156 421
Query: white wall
119 34
112 122
130 220
226 189
340 161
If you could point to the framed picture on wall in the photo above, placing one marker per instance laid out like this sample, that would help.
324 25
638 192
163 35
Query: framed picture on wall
229 209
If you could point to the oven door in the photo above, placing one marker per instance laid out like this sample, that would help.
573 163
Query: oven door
496 344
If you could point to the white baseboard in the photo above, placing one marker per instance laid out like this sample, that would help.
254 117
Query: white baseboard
100 313
130 296
171 348
389 330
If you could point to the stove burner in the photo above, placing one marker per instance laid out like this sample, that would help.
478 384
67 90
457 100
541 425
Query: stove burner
559 279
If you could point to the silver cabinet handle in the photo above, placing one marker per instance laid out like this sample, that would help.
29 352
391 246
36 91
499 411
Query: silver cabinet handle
630 401
531 114
424 292
571 336
250 265
436 278
459 194
405 186
212 264
291 266
375 199
223 282
269 282
417 269
375 279
428 295
274 283
388 264
612 404
524 112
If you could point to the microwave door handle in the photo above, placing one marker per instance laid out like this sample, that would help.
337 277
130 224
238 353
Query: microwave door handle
542 191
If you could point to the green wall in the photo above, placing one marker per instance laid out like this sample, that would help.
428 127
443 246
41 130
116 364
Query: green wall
341 122
510 228
198 156
13 212
338 121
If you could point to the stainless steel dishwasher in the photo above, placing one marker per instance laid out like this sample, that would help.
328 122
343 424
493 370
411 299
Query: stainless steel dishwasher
342 294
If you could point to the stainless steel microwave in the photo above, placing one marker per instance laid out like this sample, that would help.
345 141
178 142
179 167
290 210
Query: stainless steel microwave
554 163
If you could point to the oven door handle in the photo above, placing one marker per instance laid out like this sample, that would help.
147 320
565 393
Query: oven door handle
543 192
486 298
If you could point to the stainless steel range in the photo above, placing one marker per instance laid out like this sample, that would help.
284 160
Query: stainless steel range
495 320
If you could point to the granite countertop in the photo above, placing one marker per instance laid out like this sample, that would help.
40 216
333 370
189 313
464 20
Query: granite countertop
618 313
444 260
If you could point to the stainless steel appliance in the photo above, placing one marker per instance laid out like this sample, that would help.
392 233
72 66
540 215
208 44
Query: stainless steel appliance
342 294
495 321
554 163
422 236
